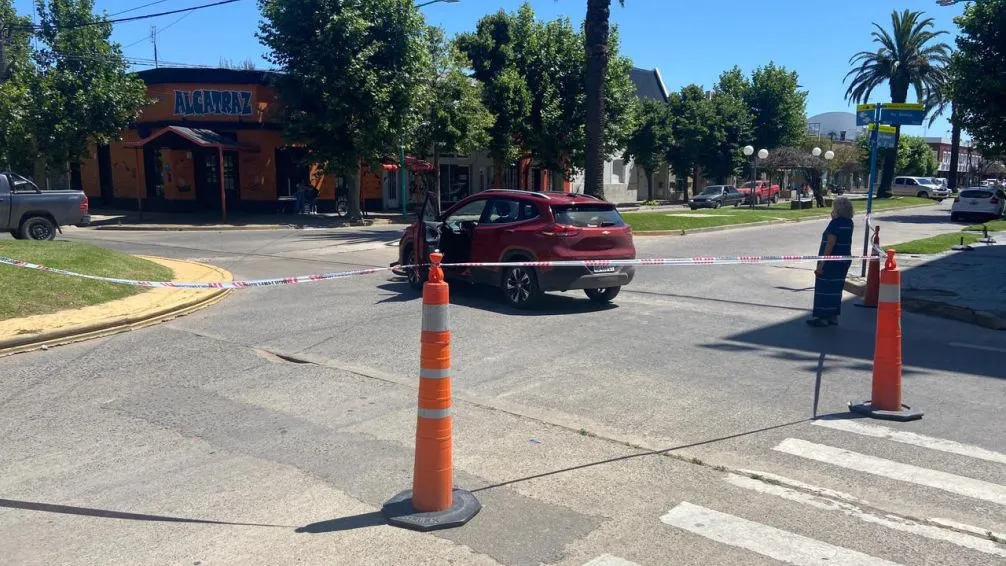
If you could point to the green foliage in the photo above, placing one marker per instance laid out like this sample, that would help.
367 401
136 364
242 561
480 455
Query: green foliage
651 140
74 89
351 81
907 58
731 128
83 89
455 119
778 107
534 77
693 115
916 158
978 74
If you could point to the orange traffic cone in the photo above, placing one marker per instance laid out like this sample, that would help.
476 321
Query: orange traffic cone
433 502
873 276
886 400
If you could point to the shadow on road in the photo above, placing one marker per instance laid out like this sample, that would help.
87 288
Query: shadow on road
661 452
107 514
915 219
489 299
351 522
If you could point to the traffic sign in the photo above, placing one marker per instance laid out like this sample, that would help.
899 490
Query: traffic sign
903 114
885 137
864 114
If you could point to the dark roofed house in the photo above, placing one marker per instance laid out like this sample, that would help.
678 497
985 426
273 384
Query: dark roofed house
649 84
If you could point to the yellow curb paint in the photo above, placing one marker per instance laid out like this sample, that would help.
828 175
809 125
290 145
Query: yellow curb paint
150 307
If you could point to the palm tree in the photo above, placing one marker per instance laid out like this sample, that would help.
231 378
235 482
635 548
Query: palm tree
906 58
596 30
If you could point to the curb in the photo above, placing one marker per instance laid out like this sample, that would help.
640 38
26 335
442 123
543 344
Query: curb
685 232
112 326
857 286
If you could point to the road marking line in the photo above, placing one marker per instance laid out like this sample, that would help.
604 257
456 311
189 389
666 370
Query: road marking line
609 560
952 483
896 523
808 487
781 545
979 347
914 439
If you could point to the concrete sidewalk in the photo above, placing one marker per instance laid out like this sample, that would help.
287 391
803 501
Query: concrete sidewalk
969 286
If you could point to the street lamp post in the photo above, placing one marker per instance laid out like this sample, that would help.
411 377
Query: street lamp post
762 154
828 156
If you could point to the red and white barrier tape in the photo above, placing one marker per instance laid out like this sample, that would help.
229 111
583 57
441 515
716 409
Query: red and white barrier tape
674 261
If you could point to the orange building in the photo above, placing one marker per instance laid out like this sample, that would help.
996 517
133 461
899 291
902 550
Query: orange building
208 128
211 140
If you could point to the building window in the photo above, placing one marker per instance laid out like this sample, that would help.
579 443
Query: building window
230 172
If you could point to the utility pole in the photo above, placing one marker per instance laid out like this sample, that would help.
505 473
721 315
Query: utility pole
153 38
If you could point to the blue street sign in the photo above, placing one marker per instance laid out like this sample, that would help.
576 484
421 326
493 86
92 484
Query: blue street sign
885 137
903 114
864 114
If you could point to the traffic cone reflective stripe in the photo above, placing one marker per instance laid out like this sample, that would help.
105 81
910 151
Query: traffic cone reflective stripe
886 400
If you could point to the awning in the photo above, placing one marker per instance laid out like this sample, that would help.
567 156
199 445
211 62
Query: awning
196 136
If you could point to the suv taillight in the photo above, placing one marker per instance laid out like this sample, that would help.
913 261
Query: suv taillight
561 231
993 200
83 205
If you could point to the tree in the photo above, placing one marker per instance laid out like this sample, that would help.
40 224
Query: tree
455 119
596 28
906 58
778 107
82 89
492 54
651 140
247 65
937 103
978 74
731 127
350 81
17 143
693 114
916 158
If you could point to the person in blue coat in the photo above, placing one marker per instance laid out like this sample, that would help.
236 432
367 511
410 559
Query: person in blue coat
830 275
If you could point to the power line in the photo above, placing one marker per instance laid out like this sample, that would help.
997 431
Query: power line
147 5
143 17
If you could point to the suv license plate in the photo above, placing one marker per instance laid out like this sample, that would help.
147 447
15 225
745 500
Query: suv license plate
603 269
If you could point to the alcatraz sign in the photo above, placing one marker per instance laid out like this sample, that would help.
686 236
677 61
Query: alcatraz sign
213 103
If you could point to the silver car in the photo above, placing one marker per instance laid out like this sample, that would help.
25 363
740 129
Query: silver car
922 187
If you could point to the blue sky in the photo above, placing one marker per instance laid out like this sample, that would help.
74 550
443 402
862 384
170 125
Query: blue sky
689 41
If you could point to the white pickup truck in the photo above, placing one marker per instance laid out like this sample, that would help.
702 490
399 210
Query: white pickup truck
30 213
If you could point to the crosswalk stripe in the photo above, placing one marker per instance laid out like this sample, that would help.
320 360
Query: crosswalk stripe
781 545
830 493
952 483
906 437
609 560
936 533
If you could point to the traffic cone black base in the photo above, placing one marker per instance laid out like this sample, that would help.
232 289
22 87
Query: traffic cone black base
400 513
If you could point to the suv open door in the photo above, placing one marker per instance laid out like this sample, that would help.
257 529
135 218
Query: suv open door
426 238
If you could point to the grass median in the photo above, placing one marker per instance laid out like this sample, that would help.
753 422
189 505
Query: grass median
707 218
26 292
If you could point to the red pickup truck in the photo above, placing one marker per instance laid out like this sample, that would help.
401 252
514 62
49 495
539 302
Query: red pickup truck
763 192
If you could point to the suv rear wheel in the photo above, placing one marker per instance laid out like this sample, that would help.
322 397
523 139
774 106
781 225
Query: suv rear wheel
415 275
520 287
38 228
602 295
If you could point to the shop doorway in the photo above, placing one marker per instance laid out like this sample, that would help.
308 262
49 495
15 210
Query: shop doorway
208 179
291 170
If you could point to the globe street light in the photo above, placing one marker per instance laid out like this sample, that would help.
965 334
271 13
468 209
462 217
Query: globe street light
762 154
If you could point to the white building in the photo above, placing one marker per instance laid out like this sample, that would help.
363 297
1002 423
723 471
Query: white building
837 126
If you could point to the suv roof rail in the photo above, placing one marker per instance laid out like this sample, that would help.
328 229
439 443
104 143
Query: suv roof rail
535 193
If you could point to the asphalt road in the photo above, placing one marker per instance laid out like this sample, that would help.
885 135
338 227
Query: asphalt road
270 428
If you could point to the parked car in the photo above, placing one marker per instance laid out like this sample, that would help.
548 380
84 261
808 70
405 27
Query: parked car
715 196
761 191
498 226
922 187
29 213
982 202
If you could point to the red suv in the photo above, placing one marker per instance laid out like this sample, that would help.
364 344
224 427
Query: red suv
499 226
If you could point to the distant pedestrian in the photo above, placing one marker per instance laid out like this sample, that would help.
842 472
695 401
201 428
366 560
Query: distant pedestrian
830 282
300 197
312 200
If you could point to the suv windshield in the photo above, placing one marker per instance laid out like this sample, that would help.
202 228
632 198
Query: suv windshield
976 194
712 190
587 216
